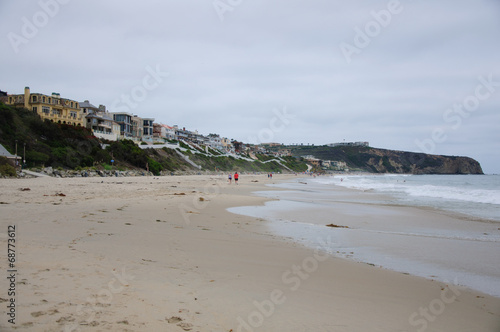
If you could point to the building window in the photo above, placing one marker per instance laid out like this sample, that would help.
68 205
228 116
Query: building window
45 110
43 99
34 109
34 98
71 104
72 115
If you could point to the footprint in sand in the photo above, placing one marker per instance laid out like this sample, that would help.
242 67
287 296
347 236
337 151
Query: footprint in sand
37 313
183 325
66 319
174 319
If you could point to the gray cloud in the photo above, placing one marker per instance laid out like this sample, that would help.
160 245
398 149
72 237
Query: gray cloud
228 76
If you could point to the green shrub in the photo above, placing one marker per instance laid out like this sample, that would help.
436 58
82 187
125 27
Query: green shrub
184 145
7 170
35 158
128 151
154 166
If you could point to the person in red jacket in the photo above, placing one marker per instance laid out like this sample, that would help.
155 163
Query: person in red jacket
236 177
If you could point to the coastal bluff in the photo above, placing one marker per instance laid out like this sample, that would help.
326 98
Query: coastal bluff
375 160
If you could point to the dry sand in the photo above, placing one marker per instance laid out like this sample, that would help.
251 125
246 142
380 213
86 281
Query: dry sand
163 254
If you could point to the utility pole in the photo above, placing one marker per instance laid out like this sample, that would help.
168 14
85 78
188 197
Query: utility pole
16 153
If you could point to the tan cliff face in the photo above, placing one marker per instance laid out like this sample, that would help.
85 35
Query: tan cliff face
387 161
452 165
416 163
375 160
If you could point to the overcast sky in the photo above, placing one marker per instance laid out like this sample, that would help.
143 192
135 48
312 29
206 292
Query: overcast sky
416 75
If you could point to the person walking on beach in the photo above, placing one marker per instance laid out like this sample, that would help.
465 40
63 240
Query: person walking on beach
236 177
229 178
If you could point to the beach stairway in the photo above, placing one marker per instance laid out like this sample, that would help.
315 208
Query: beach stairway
36 174
189 161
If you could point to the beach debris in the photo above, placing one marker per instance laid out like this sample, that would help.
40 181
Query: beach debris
24 189
123 322
201 199
303 182
57 194
254 181
180 194
336 226
127 223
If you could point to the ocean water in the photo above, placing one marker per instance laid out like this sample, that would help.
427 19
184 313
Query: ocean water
473 195
439 227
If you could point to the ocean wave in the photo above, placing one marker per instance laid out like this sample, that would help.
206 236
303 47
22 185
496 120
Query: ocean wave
457 194
445 188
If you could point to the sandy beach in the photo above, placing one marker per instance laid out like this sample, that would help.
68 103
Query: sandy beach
163 254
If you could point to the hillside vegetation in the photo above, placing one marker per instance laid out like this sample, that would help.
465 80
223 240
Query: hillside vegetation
69 147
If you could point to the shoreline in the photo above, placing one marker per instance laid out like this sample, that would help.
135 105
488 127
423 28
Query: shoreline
149 253
365 227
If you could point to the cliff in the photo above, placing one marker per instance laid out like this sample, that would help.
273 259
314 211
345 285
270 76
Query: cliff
375 160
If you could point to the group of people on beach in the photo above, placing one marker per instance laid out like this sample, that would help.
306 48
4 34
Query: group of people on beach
229 178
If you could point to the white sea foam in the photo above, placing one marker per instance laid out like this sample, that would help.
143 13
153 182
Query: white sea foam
476 195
